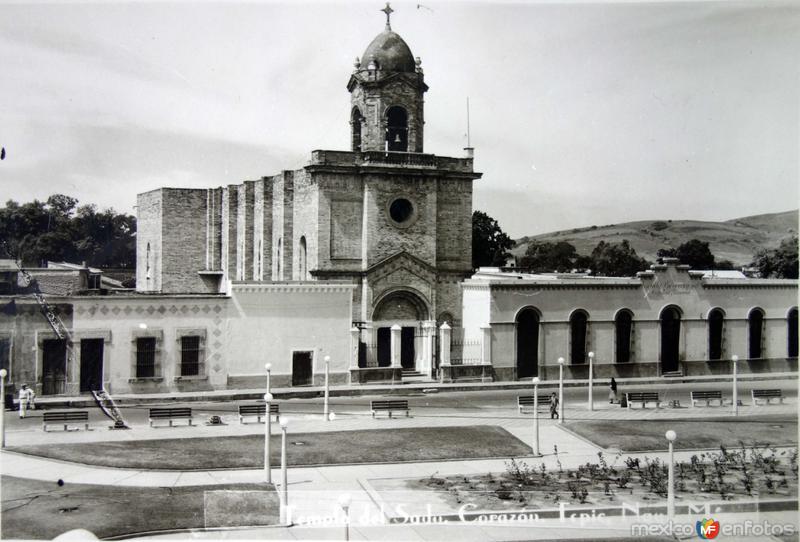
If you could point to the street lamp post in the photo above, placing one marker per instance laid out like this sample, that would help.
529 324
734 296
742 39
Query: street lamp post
327 388
284 485
591 380
267 437
268 367
344 502
3 374
671 436
561 390
536 416
735 360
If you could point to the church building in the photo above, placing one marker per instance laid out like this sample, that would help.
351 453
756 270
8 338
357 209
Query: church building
386 217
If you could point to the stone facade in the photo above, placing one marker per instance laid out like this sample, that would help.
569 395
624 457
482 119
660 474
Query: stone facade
500 301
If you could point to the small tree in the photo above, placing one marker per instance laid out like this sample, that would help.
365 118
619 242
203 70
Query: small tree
616 260
490 245
780 262
695 254
547 257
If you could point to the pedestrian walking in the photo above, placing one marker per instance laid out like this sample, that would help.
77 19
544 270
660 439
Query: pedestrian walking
553 406
612 393
26 398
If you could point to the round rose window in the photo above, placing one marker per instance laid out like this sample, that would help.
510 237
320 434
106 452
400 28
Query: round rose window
401 210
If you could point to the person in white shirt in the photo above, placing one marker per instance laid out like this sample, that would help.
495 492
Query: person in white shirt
26 397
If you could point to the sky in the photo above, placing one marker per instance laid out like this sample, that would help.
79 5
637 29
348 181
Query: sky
580 113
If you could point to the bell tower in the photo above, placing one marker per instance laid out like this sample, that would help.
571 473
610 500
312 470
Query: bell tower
386 96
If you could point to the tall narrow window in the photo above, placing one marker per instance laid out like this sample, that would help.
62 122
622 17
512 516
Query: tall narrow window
397 129
755 334
259 263
147 263
190 355
578 324
302 257
716 323
623 326
279 263
791 321
145 357
356 119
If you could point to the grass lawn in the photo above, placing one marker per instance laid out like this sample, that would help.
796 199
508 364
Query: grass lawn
632 436
34 509
369 446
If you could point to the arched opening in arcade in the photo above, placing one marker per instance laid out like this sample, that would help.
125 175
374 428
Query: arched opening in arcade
623 336
670 321
527 325
755 334
716 323
578 337
791 322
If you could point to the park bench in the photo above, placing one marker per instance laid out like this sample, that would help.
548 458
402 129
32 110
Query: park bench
64 418
389 405
643 397
258 410
525 402
706 396
170 414
766 396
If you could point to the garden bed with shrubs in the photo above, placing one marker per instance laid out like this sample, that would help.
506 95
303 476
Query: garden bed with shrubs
724 475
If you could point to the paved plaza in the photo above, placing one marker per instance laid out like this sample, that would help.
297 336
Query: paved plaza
314 492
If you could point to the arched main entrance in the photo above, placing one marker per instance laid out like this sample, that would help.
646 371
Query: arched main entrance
407 310
527 343
670 339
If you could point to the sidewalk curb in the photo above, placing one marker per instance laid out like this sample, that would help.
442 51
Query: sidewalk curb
128 400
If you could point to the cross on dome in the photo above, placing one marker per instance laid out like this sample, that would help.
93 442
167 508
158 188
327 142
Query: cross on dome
388 11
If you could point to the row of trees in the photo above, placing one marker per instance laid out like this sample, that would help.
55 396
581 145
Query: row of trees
61 230
606 259
491 246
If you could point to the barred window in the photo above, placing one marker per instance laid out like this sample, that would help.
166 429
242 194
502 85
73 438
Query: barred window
190 355
145 357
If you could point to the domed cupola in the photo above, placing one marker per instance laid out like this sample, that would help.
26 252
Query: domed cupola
386 89
389 53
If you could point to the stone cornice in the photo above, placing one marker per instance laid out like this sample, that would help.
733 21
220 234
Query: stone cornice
563 285
290 287
402 171
750 283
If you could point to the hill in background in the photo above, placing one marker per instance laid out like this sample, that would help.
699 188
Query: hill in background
736 240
